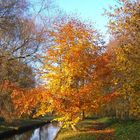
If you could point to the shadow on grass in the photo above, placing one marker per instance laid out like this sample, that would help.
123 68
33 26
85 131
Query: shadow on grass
103 129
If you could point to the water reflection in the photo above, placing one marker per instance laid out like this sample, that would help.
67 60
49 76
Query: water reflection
47 132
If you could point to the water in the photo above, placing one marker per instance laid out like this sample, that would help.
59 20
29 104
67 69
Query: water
47 132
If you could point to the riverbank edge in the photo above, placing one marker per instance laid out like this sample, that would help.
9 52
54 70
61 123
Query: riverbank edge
22 129
58 133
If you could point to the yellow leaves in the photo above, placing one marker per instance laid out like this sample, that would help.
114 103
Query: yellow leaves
135 105
69 70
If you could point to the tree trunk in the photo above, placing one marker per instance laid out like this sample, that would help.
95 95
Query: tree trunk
83 115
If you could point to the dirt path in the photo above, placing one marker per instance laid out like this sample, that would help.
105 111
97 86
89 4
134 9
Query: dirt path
102 132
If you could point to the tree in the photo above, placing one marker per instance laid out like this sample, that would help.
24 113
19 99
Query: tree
22 34
19 41
69 66
20 75
124 27
10 12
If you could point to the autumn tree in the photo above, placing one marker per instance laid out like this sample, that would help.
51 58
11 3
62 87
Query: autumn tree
69 66
124 27
20 39
24 77
17 102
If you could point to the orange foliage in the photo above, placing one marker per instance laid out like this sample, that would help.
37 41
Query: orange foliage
70 66
27 101
21 102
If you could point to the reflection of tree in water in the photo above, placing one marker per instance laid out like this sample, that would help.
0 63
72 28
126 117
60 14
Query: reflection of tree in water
43 132
49 131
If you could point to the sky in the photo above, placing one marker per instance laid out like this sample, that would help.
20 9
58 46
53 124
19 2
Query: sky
91 10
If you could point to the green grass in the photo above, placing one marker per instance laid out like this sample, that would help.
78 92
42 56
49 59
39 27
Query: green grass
68 134
129 130
123 130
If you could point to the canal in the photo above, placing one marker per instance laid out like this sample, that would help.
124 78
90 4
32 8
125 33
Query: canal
46 132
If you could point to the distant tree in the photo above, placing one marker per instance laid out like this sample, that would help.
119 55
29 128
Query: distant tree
20 39
10 12
18 73
124 27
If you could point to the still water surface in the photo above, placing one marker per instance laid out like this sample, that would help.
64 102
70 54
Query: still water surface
46 132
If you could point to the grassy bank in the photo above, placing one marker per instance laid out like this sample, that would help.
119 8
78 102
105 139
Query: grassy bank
102 129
